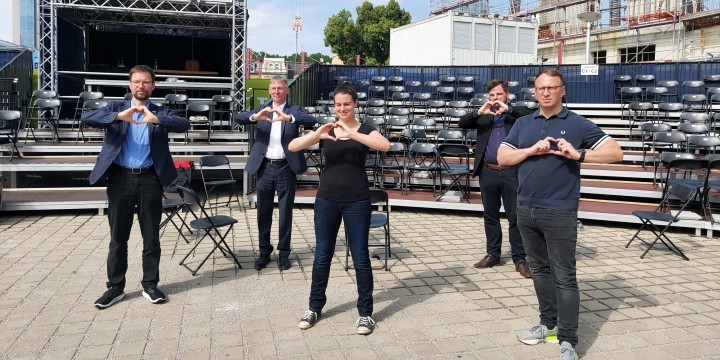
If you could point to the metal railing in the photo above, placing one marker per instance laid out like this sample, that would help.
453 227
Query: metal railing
318 81
16 81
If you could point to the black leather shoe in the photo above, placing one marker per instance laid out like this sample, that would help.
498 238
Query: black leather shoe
284 263
262 262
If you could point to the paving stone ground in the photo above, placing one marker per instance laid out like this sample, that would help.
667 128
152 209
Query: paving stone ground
431 304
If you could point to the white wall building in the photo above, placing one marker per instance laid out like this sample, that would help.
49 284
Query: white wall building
456 39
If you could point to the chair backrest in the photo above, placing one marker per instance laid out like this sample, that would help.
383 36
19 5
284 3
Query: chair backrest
94 104
475 102
455 113
90 95
693 128
375 102
644 80
190 197
325 119
396 111
532 105
668 83
379 197
412 83
683 193
708 142
423 122
458 104
222 99
400 96
449 135
621 79
413 134
175 98
697 117
436 103
213 161
640 106
693 84
362 83
688 164
375 111
666 106
10 115
422 96
198 108
653 127
670 137
44 94
396 88
47 104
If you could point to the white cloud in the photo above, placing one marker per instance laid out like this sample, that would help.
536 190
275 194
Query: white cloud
6 21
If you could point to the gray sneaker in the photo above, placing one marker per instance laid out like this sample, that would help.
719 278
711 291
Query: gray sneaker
538 334
365 325
308 319
567 352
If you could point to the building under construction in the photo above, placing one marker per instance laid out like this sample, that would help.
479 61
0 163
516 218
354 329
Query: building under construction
627 30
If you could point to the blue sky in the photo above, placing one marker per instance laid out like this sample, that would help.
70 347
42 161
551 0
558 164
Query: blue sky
270 26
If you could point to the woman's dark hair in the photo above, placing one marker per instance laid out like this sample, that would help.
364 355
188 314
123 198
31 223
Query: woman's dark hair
346 88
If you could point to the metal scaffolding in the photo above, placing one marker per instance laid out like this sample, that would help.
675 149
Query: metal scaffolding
229 17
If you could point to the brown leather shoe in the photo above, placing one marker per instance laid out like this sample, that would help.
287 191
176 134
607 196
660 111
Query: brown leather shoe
522 267
486 262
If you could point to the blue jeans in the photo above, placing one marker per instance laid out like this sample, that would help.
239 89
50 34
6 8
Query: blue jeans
499 187
356 216
550 239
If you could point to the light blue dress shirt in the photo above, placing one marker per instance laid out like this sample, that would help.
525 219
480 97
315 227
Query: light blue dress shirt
135 152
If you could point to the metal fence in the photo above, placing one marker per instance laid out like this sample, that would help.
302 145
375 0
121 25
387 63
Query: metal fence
318 80
16 81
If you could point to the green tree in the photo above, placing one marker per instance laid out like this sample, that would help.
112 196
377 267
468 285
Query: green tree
367 36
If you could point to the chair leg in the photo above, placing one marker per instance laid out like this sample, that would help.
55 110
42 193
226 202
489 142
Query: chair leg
217 243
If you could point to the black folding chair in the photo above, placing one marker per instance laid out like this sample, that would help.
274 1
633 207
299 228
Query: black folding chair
459 174
173 203
10 121
217 164
379 219
653 219
211 225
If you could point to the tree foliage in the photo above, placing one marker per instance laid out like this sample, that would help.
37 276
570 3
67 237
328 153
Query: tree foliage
367 36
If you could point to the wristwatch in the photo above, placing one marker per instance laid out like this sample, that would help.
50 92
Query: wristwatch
582 155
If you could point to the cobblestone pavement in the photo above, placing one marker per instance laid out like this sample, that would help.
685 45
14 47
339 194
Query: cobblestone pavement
431 304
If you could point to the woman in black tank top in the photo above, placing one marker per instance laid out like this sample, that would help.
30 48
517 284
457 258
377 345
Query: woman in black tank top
343 195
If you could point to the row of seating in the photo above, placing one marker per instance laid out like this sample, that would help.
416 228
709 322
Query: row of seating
645 88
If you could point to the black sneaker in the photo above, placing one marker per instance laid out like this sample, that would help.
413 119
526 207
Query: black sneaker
308 319
262 262
154 295
110 297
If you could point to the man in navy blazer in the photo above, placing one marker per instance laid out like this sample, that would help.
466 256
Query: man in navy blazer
276 167
135 159
498 183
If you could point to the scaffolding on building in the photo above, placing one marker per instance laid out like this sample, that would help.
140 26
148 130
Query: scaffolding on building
156 16
557 19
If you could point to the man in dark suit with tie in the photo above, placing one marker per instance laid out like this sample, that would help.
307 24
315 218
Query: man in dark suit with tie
276 167
498 183
135 159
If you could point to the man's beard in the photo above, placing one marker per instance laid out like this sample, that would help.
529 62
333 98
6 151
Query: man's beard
144 97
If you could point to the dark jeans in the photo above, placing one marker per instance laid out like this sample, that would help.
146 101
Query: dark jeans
356 216
499 187
125 192
272 178
550 238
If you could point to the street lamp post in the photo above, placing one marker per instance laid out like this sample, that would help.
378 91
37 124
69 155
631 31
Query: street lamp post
588 18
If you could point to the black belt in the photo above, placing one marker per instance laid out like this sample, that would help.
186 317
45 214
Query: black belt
133 171
276 161
496 166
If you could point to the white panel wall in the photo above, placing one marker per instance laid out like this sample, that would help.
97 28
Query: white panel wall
450 39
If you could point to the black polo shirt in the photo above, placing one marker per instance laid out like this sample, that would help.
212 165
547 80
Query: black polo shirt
552 181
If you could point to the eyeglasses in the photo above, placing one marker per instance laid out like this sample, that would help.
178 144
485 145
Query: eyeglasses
138 82
550 89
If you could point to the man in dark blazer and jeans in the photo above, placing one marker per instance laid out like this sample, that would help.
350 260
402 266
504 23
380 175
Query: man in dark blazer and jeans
135 159
276 168
498 183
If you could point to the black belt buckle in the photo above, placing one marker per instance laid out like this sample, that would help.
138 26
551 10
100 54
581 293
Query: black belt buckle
275 161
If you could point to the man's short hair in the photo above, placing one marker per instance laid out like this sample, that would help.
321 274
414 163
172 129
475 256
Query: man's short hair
278 79
346 88
142 68
553 73
494 83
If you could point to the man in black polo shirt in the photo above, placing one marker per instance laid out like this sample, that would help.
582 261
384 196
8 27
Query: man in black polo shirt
549 146
498 183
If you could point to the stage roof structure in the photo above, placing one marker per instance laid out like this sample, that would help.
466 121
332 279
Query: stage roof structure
199 17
